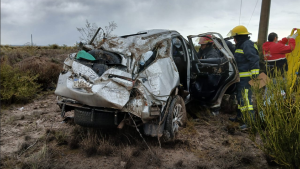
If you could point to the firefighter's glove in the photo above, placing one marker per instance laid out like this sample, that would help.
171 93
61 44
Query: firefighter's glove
293 36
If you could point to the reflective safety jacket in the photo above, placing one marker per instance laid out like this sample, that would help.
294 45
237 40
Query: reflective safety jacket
247 59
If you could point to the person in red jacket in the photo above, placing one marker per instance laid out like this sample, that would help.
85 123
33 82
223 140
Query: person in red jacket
274 51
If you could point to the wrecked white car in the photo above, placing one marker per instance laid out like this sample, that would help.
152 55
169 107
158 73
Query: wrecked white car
143 79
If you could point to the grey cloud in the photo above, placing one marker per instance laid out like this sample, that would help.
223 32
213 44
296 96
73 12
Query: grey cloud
56 21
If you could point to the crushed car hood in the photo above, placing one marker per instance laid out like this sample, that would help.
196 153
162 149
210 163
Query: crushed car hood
114 88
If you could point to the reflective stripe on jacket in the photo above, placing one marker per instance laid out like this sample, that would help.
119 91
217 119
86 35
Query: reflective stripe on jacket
247 59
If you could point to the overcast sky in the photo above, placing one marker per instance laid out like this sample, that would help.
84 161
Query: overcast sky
55 21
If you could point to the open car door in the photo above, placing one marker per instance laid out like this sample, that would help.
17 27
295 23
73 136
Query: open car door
211 78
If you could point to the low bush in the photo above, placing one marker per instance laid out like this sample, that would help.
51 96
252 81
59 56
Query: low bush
48 70
277 121
16 85
54 46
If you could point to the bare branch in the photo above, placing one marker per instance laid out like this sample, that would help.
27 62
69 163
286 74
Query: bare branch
88 32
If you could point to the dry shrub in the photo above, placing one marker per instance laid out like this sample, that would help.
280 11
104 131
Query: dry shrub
74 142
90 143
234 159
54 46
61 137
153 158
190 128
77 135
7 162
106 148
16 85
136 152
48 69
126 156
41 159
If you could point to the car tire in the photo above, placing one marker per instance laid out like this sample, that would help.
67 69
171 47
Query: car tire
176 118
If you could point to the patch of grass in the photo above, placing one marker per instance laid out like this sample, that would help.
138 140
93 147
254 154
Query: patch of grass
177 143
61 137
90 143
136 152
106 148
7 162
41 159
126 157
190 128
153 159
11 119
90 150
74 142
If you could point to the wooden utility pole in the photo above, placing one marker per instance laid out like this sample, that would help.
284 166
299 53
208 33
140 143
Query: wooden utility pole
31 40
264 21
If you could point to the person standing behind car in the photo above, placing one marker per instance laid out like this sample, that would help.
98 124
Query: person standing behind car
247 60
207 50
274 51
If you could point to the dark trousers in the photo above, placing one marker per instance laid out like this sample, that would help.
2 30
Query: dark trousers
280 65
244 96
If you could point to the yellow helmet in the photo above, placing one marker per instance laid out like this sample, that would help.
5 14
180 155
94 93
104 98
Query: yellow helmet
238 30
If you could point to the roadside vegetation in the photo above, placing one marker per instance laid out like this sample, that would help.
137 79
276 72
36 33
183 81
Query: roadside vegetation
277 122
28 70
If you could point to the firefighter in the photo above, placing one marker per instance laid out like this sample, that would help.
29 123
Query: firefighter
247 60
207 50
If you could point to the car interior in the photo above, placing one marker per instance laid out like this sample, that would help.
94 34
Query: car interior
209 76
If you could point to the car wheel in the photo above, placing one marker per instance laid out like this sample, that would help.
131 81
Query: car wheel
176 118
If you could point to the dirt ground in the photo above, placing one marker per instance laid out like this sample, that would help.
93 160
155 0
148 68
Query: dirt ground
34 135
